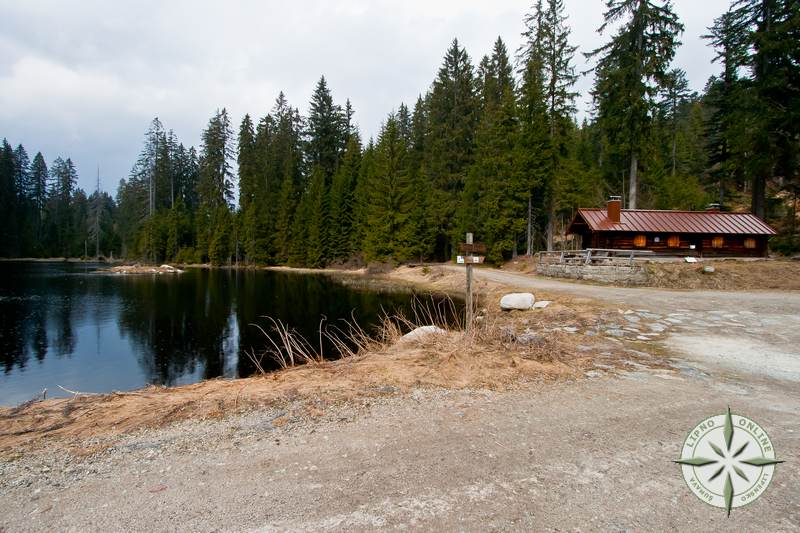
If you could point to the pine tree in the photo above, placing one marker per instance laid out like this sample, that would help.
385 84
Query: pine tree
491 206
39 176
8 201
315 210
214 188
326 131
248 163
361 196
675 90
452 121
64 178
770 29
423 224
630 69
22 174
724 97
388 225
341 201
530 178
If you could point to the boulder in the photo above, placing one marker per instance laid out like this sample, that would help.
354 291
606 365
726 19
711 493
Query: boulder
517 300
709 269
422 332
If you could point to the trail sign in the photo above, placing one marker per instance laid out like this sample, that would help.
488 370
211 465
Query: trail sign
472 248
468 248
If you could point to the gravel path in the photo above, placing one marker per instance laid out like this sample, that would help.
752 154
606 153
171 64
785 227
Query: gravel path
755 332
595 454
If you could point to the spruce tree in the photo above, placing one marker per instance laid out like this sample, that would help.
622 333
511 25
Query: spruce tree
340 233
770 29
388 225
630 69
248 164
452 121
492 204
214 188
8 201
326 131
724 97
39 176
675 91
533 145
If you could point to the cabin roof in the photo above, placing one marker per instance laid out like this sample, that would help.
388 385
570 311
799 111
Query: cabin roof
658 221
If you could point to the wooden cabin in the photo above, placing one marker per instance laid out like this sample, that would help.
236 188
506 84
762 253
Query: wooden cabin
683 233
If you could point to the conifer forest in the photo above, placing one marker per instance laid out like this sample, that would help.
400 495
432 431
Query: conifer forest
492 146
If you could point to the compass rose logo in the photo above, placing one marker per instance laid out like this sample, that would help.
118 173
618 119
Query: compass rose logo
728 461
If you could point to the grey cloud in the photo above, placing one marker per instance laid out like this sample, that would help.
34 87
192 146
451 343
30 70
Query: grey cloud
84 78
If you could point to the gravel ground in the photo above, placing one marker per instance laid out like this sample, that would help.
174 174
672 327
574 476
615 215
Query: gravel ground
593 454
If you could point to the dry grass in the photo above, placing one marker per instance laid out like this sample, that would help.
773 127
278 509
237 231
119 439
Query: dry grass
489 356
731 274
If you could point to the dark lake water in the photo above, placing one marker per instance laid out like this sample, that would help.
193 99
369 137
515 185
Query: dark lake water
66 324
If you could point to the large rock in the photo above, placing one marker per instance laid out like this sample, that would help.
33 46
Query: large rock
517 300
422 332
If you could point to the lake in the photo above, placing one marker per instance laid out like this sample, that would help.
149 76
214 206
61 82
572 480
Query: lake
67 324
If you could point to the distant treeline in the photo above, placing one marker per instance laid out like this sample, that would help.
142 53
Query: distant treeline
493 149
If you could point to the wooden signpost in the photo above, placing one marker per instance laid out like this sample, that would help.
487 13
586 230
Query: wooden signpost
469 249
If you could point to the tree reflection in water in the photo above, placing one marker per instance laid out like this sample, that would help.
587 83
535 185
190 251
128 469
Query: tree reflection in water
111 331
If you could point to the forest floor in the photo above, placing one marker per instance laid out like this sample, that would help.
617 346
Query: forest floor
567 417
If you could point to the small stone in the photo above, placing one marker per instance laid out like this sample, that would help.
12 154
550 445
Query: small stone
528 339
709 269
422 332
632 318
541 304
650 316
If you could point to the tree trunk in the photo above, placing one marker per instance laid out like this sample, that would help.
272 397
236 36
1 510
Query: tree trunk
674 152
633 182
529 244
759 196
550 224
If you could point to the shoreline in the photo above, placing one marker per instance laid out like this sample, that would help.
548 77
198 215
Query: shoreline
389 364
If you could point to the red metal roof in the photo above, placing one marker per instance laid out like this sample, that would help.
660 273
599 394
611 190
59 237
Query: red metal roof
654 221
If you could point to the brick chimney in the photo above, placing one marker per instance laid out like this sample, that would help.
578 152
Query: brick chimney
614 209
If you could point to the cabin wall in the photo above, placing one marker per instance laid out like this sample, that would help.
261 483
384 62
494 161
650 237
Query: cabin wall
733 245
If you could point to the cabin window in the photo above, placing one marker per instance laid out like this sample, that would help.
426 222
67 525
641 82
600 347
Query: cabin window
750 243
674 241
640 241
717 242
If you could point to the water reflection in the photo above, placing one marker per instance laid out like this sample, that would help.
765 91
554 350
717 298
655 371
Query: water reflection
61 324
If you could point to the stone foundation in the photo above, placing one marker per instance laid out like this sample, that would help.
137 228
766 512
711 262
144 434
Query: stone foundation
616 274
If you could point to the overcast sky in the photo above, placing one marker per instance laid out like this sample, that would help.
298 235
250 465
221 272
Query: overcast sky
84 78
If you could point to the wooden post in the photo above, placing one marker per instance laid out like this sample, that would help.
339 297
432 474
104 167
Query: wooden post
468 325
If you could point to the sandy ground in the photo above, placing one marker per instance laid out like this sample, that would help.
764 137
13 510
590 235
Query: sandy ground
587 451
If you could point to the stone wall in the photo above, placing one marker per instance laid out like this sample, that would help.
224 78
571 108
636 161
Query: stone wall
616 274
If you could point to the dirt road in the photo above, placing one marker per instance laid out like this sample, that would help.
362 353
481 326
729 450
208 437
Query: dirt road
742 333
595 454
